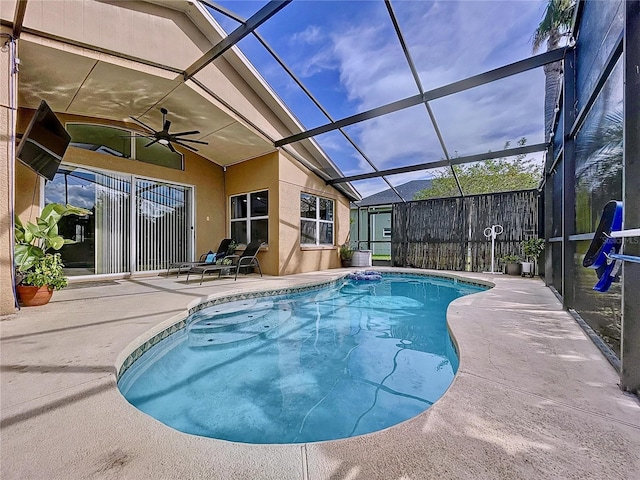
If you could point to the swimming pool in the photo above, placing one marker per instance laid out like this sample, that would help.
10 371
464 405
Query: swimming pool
334 362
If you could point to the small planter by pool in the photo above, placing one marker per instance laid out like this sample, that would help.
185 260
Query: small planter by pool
361 258
346 359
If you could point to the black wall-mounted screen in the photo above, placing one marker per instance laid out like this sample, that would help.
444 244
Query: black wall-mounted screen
44 142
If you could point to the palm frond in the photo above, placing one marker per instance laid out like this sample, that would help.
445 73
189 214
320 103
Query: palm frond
555 23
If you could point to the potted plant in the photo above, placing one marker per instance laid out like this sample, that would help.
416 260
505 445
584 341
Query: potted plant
346 254
232 248
532 249
511 264
226 262
38 271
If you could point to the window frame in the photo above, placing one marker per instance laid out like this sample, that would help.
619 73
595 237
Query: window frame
248 219
318 221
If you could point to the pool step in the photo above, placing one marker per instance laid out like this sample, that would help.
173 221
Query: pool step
254 304
244 330
227 323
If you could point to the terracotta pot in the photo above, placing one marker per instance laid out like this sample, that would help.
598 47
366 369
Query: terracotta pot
31 296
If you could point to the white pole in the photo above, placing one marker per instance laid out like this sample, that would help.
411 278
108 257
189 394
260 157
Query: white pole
492 232
493 249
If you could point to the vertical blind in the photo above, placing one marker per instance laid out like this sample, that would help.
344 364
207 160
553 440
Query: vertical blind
162 224
113 220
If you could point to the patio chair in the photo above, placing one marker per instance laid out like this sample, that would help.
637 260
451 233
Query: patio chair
208 258
247 259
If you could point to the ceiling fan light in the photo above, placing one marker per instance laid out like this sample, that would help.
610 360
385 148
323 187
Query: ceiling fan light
163 141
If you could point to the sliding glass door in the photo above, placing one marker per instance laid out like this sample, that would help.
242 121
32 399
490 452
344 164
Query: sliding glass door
137 224
163 224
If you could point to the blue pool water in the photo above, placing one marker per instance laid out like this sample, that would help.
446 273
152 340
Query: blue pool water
329 363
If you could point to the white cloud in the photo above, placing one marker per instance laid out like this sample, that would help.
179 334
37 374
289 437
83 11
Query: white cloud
315 54
372 69
449 41
313 34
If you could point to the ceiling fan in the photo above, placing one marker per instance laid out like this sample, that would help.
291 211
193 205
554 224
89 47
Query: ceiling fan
163 137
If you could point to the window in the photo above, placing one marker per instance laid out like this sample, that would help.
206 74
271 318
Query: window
122 143
316 220
386 232
250 217
100 138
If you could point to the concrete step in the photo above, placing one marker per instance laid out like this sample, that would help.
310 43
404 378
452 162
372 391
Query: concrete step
260 326
229 316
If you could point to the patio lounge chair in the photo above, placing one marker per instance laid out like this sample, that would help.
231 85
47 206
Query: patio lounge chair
248 258
208 258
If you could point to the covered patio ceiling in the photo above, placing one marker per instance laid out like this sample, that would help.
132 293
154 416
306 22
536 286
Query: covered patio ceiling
96 88
101 84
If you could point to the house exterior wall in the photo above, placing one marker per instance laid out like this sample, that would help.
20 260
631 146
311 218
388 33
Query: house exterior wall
122 27
6 173
255 175
285 179
295 179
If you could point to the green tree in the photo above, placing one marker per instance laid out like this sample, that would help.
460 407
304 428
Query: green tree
489 176
555 24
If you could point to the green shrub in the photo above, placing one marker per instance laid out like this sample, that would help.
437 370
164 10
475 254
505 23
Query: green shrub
46 270
33 264
346 252
511 259
532 248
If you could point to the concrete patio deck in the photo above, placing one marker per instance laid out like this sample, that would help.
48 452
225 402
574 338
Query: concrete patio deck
533 398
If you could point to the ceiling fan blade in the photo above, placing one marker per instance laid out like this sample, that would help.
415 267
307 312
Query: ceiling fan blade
165 127
192 141
151 143
143 124
191 132
170 147
186 146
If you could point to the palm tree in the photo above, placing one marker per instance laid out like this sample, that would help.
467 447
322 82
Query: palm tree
555 24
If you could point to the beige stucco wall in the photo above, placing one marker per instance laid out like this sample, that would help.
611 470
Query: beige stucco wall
206 177
122 27
294 179
286 179
254 175
6 235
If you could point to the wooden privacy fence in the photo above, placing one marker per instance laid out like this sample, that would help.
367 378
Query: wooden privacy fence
448 233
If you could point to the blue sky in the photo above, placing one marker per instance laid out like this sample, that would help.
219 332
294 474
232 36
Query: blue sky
348 55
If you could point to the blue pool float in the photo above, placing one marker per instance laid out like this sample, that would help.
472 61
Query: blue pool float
367 275
603 246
